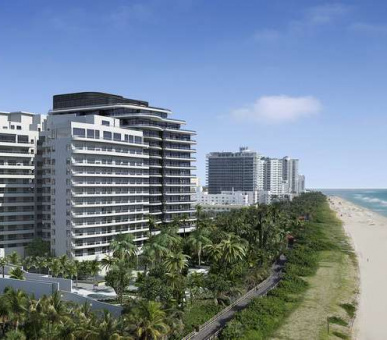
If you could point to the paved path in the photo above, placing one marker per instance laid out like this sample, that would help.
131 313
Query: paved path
221 321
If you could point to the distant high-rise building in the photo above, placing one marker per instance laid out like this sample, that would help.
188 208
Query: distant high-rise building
301 184
19 133
234 171
248 171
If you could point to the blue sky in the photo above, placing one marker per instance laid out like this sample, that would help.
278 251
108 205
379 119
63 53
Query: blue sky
301 78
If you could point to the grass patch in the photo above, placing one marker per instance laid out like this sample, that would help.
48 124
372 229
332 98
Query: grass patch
320 275
340 335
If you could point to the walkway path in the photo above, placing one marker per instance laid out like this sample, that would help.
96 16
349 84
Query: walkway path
213 326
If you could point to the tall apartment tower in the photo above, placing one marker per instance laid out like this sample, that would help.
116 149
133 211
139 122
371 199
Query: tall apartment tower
273 177
19 133
94 184
290 174
238 171
169 152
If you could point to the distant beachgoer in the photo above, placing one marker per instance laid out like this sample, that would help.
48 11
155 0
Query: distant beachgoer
368 259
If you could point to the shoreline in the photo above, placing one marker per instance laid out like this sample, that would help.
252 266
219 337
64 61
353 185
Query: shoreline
367 231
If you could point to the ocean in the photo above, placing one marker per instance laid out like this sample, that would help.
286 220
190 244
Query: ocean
373 199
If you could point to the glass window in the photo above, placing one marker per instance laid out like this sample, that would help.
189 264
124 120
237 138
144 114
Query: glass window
107 135
79 132
126 138
90 133
106 123
138 140
97 134
7 138
131 139
22 139
117 136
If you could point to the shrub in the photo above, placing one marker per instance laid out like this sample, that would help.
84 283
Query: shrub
349 308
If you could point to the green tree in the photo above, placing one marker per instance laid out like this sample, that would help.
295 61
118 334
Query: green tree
176 262
119 277
148 321
3 263
198 239
16 273
38 247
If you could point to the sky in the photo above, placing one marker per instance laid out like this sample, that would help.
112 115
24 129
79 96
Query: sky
299 78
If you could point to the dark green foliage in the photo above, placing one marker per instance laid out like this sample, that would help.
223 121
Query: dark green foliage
340 335
199 313
38 247
349 308
337 320
264 315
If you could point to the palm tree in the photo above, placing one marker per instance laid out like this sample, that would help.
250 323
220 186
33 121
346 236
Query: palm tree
55 267
17 301
176 262
108 261
15 335
119 278
124 247
94 268
231 249
3 263
16 273
149 321
40 263
72 270
4 314
198 239
13 258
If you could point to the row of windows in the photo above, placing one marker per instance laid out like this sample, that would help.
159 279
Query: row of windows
95 134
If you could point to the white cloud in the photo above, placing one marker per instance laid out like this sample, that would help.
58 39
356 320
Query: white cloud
366 28
278 109
325 14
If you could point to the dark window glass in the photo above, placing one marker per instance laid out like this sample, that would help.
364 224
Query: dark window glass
107 135
117 136
106 123
90 133
7 138
97 134
22 139
79 132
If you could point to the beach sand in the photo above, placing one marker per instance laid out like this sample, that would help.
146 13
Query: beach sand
368 231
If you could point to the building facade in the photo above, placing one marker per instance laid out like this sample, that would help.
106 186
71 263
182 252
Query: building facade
170 152
234 171
19 132
96 177
263 178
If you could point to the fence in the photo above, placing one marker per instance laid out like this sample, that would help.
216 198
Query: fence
228 308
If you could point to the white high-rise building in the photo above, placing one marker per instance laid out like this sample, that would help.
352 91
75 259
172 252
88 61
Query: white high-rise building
95 184
19 133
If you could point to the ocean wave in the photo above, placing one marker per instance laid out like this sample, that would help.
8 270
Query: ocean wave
371 199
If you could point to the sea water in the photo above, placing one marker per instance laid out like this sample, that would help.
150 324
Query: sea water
373 199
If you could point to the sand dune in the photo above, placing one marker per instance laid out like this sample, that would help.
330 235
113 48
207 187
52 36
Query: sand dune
368 232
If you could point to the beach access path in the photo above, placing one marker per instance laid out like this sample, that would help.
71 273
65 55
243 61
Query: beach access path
368 231
220 322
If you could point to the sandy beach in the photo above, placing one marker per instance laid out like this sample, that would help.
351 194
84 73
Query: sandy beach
368 231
